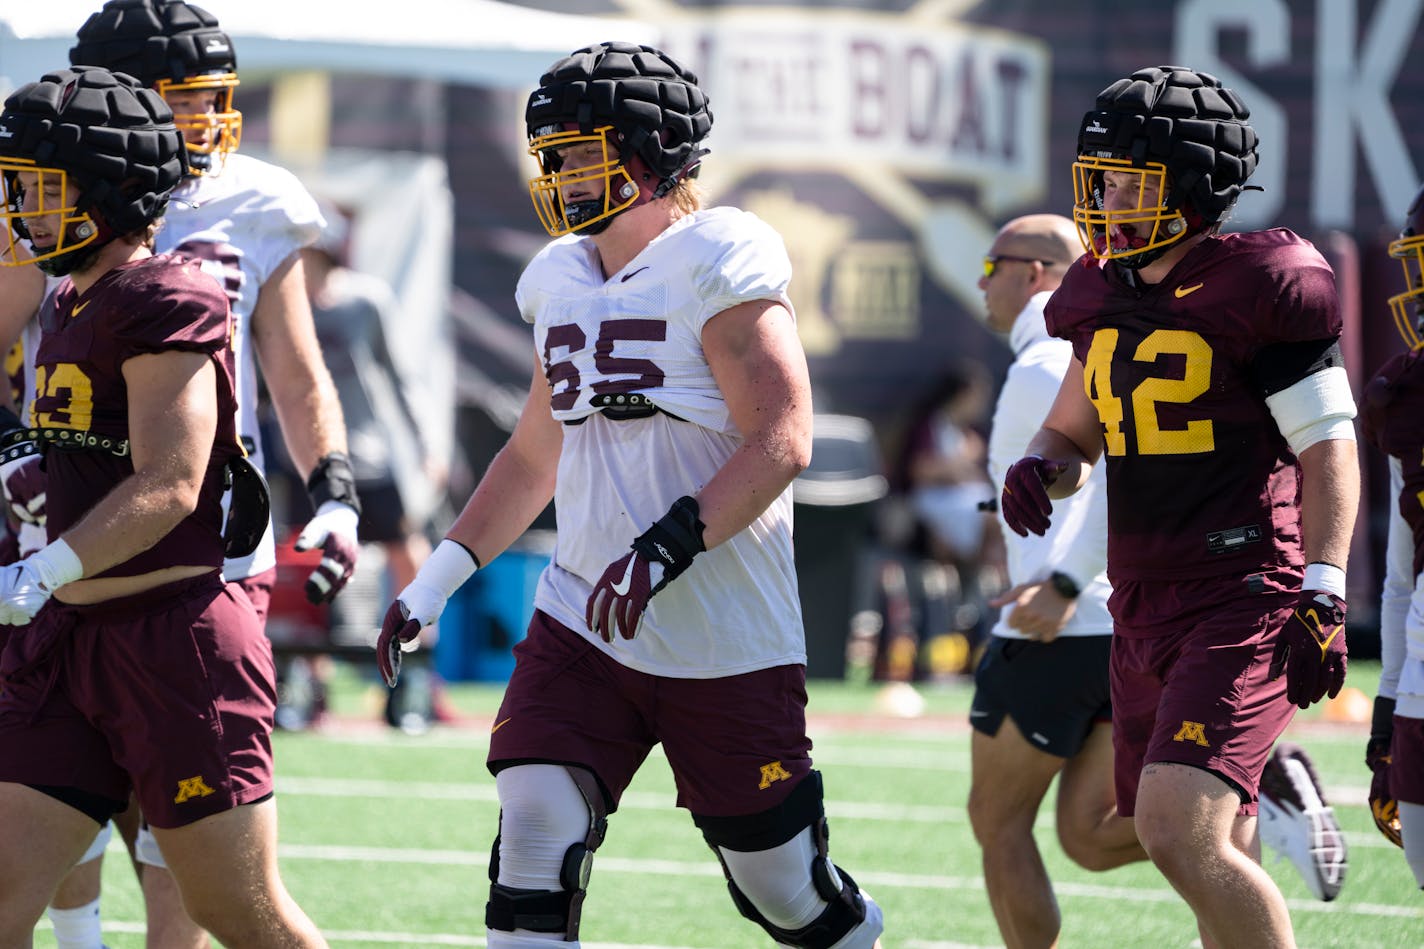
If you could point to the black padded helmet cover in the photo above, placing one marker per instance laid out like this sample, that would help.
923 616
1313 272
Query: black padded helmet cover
1184 119
654 103
154 40
113 136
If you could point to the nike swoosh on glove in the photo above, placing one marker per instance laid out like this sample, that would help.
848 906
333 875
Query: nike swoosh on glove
24 483
333 529
621 595
1025 503
1310 649
659 556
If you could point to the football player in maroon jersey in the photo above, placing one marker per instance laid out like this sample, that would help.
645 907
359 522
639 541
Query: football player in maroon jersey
1208 371
1393 416
133 666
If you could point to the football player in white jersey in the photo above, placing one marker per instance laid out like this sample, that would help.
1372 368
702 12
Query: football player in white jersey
668 413
248 221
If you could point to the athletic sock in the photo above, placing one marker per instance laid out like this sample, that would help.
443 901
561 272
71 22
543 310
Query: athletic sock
77 928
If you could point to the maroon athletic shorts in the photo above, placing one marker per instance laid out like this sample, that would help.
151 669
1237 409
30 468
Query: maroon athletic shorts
1189 683
258 588
737 745
1406 750
170 692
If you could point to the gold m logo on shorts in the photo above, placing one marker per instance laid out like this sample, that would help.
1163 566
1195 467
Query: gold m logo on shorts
773 772
1192 731
189 788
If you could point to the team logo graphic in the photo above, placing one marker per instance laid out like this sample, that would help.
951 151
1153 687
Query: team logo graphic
1192 731
189 788
771 773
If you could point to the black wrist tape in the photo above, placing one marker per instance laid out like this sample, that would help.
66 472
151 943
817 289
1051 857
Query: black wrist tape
333 480
674 539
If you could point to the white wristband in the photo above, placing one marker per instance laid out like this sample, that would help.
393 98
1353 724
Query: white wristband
56 564
1325 577
448 567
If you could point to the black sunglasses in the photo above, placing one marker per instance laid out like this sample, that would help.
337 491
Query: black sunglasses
992 263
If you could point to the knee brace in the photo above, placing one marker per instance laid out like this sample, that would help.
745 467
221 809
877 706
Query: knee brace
845 920
552 911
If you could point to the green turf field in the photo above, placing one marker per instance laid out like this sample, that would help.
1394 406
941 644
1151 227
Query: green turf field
385 838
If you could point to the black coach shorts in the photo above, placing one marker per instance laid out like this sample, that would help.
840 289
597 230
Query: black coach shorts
1054 692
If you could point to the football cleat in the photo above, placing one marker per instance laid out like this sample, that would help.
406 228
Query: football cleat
1296 822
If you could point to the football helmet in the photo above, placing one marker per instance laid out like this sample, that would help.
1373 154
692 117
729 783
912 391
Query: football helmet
1408 249
172 47
632 118
105 155
1184 139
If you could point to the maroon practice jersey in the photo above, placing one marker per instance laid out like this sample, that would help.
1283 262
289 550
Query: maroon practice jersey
148 306
1393 415
1200 481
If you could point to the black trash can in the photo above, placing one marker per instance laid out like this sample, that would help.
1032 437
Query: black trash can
835 501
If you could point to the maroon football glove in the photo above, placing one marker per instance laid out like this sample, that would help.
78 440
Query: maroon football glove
658 557
1310 649
397 628
1383 807
1025 502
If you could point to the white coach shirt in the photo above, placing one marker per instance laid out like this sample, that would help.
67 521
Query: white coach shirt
1077 540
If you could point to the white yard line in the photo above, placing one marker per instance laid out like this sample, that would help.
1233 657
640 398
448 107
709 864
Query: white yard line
870 878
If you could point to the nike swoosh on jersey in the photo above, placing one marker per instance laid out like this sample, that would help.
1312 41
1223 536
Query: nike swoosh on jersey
621 587
79 306
1183 291
626 276
500 725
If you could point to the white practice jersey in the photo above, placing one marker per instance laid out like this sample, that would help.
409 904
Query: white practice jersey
1077 541
735 609
242 223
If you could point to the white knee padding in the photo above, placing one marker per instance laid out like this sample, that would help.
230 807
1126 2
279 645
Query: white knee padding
542 814
146 849
778 881
1411 828
100 844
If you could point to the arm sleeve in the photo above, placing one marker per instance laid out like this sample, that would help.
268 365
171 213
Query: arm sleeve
1398 587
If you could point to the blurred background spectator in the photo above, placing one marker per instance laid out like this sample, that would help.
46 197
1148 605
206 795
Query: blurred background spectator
392 457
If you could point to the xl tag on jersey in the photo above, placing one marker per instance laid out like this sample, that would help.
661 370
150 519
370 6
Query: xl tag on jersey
1220 542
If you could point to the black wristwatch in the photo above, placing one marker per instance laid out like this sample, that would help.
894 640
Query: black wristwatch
1064 585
